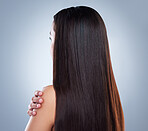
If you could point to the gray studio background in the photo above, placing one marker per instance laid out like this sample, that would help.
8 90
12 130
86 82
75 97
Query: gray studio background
26 64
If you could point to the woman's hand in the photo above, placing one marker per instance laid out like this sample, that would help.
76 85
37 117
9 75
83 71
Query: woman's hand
35 103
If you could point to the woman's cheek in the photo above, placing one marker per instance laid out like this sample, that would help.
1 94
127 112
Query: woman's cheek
51 50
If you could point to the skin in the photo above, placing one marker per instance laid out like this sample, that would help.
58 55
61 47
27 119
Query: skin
37 100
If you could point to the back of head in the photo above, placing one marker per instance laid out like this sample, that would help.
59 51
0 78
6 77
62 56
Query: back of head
87 98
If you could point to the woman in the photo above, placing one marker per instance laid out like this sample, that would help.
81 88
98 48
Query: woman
84 95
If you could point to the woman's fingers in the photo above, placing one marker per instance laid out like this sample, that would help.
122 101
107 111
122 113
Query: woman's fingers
34 105
38 93
31 113
37 100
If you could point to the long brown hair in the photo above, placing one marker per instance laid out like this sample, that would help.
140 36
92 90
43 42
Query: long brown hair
87 97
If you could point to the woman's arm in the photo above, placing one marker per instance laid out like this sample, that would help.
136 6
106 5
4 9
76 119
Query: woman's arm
44 120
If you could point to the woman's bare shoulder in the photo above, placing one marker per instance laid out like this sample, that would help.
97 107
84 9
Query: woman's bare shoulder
49 95
49 88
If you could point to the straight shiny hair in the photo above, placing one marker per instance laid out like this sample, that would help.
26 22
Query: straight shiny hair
87 97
